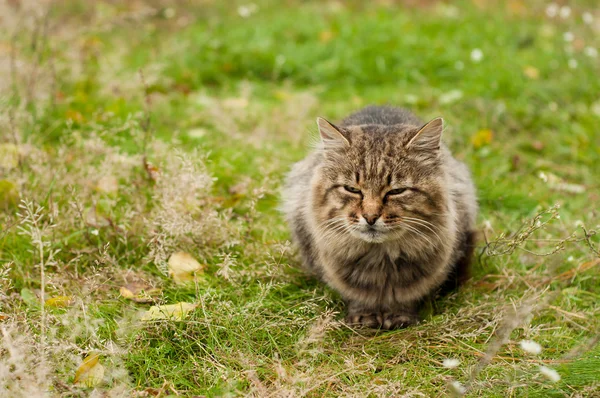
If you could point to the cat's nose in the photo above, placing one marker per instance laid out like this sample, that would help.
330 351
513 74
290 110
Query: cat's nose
371 218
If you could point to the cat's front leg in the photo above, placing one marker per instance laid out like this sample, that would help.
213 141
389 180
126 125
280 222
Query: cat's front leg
400 317
362 316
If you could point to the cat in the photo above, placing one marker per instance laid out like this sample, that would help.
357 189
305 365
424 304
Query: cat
383 214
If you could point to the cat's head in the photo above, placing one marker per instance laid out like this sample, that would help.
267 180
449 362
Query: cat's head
378 182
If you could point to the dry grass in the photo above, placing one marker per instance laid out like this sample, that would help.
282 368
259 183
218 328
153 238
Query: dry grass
106 171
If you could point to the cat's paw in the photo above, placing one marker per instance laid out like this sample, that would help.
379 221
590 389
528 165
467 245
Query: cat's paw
364 319
398 320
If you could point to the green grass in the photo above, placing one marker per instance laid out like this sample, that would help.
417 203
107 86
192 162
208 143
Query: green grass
238 97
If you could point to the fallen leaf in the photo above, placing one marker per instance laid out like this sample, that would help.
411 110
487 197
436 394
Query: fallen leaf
91 372
59 301
9 156
139 292
175 312
183 267
482 137
3 317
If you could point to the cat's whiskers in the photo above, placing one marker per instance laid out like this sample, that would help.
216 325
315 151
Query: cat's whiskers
423 223
418 233
336 226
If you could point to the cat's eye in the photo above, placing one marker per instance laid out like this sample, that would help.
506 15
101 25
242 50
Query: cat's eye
351 189
396 191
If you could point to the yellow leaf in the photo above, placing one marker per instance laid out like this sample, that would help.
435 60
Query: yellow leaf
531 72
91 372
126 293
183 267
482 137
139 292
59 301
176 312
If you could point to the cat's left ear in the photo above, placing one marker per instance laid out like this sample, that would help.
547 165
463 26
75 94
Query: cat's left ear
429 136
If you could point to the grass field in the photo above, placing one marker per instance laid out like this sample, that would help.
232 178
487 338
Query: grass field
133 130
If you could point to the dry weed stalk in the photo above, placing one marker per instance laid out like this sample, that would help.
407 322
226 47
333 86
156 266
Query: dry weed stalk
37 226
506 244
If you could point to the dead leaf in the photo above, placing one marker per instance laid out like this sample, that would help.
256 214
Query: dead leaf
183 267
59 302
176 312
482 137
139 292
91 372
3 317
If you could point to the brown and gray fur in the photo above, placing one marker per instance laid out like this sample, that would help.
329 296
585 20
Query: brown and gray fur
382 213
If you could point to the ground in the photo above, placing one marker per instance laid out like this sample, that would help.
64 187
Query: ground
134 130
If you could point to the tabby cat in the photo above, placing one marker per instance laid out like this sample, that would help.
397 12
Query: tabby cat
383 214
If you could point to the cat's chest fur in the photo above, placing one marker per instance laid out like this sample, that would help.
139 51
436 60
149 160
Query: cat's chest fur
383 273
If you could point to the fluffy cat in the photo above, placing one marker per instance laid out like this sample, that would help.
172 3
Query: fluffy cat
383 214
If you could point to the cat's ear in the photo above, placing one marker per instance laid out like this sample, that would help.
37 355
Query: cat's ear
330 134
429 136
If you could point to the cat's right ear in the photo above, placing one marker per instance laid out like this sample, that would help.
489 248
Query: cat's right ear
330 134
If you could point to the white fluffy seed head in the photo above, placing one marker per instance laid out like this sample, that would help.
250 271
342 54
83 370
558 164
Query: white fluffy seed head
450 363
550 373
531 347
457 388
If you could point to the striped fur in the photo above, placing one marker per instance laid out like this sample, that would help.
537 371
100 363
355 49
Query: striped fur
382 213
